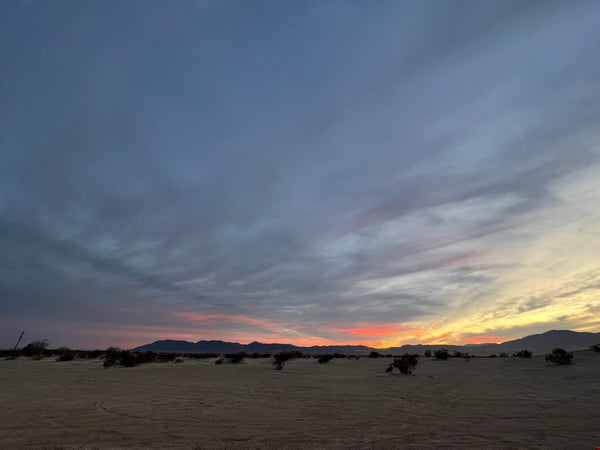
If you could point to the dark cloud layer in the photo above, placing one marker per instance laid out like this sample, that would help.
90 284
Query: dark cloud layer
312 165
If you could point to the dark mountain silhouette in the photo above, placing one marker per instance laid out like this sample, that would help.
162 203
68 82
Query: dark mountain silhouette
538 343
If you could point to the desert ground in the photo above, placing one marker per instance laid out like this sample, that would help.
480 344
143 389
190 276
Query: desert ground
477 403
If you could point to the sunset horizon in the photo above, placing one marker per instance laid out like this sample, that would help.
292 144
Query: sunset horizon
312 173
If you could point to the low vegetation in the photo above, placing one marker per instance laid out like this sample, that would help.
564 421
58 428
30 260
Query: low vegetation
595 348
442 354
65 354
374 354
281 358
559 356
236 358
325 359
523 354
36 349
405 364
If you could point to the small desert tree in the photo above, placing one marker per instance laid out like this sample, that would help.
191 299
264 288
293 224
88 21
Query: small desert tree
427 353
374 354
560 356
595 348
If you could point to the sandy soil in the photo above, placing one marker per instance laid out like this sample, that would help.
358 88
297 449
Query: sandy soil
482 403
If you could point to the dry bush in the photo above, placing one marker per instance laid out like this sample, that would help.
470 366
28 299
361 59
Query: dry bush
236 358
325 359
65 354
35 349
442 354
405 364
281 358
560 356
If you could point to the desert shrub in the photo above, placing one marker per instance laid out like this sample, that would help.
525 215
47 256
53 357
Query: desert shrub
147 356
112 356
200 355
458 354
493 355
281 358
405 364
93 354
442 353
9 354
374 355
523 354
325 359
427 353
130 359
595 348
65 354
560 356
219 360
236 357
36 349
166 357
502 355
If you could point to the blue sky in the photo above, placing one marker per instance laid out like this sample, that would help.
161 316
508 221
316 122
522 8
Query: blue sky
305 172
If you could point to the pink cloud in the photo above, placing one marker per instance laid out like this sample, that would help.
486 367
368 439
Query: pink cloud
233 318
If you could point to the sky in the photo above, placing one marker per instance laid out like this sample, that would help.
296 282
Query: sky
306 172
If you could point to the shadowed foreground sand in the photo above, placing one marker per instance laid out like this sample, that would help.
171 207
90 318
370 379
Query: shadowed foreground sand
482 403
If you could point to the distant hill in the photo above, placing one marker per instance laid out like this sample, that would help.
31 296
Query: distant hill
537 343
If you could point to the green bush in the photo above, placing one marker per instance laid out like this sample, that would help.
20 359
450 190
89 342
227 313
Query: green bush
560 356
523 354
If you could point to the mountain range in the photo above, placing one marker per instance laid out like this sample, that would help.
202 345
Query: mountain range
537 343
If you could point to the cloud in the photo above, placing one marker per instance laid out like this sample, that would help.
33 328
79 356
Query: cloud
335 169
